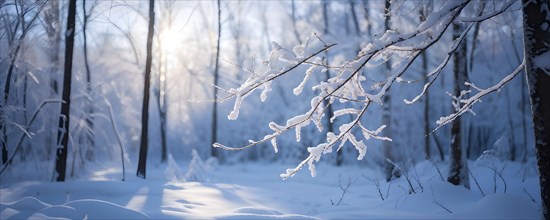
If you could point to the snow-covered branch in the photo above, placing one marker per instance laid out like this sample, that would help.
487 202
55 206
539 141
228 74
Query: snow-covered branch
464 105
347 84
315 153
255 80
437 71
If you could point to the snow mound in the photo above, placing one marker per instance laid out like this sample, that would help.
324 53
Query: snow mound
98 209
27 203
173 172
253 191
198 169
33 208
503 206
255 212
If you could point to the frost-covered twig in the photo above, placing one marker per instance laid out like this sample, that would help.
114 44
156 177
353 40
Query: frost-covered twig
437 71
345 86
323 148
468 103
256 81
445 15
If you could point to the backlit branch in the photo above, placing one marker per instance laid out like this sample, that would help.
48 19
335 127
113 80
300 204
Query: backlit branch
466 104
347 85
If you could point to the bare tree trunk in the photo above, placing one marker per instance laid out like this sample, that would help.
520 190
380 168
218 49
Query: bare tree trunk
330 114
26 147
163 79
458 168
468 127
162 105
512 140
163 121
536 38
160 94
523 121
523 103
89 108
142 163
424 56
389 168
64 116
157 87
427 147
159 90
214 138
4 143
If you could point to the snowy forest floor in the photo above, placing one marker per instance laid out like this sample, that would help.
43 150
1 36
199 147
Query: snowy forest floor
255 191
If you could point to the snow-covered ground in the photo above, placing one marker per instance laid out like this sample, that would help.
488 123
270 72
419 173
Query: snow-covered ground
255 191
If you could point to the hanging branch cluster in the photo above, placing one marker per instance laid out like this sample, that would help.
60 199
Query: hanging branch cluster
347 84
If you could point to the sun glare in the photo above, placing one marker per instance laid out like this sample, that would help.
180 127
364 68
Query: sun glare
170 39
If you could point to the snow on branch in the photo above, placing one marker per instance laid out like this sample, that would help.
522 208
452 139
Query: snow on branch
256 81
464 105
347 85
437 71
440 18
315 153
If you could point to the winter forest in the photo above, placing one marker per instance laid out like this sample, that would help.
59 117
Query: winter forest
292 109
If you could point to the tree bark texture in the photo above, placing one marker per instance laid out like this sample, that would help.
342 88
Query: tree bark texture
64 116
214 133
458 169
89 135
424 58
536 31
142 163
389 168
